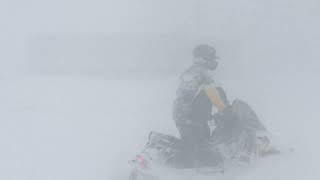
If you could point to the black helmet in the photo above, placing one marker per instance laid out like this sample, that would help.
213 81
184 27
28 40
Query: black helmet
205 55
205 52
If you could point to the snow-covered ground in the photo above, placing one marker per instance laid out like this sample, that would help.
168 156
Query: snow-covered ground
84 128
77 128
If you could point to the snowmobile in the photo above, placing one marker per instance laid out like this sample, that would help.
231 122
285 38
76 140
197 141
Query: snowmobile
237 138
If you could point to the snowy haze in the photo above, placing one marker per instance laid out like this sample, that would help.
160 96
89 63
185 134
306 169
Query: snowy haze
83 82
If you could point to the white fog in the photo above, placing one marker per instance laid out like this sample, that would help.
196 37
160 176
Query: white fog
82 83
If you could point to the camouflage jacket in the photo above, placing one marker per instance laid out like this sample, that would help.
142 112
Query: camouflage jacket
191 105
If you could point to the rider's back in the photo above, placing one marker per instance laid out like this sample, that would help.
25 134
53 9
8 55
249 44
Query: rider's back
192 104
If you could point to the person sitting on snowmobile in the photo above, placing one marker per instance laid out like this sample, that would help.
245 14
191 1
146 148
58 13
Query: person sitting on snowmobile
196 95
